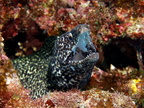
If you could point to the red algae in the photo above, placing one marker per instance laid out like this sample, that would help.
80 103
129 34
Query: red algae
108 20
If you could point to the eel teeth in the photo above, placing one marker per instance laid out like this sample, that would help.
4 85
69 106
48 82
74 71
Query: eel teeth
90 56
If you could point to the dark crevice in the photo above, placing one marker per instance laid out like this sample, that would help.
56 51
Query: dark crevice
122 52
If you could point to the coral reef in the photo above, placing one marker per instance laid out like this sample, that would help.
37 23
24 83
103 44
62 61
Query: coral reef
6 71
117 28
91 98
17 96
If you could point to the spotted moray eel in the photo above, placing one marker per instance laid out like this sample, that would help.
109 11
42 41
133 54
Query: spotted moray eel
64 62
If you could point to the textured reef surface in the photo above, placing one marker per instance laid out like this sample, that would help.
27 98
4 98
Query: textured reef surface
27 27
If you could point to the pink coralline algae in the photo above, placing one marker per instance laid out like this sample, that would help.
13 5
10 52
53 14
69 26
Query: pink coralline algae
116 27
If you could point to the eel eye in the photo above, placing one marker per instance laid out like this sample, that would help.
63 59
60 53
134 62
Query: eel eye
70 36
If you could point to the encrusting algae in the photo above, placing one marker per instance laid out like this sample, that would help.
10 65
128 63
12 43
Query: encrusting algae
116 28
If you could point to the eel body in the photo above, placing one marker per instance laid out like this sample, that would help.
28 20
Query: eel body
64 62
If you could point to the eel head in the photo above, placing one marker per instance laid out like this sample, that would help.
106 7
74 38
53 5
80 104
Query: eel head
75 57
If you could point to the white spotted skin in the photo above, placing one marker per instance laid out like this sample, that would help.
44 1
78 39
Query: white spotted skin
61 64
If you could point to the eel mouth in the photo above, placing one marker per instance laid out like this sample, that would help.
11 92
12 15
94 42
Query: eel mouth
84 48
92 57
80 54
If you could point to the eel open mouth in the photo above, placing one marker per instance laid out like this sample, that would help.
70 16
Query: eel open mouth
79 58
83 50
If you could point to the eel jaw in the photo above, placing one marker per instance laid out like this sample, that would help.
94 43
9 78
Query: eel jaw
74 59
91 58
75 46
84 49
